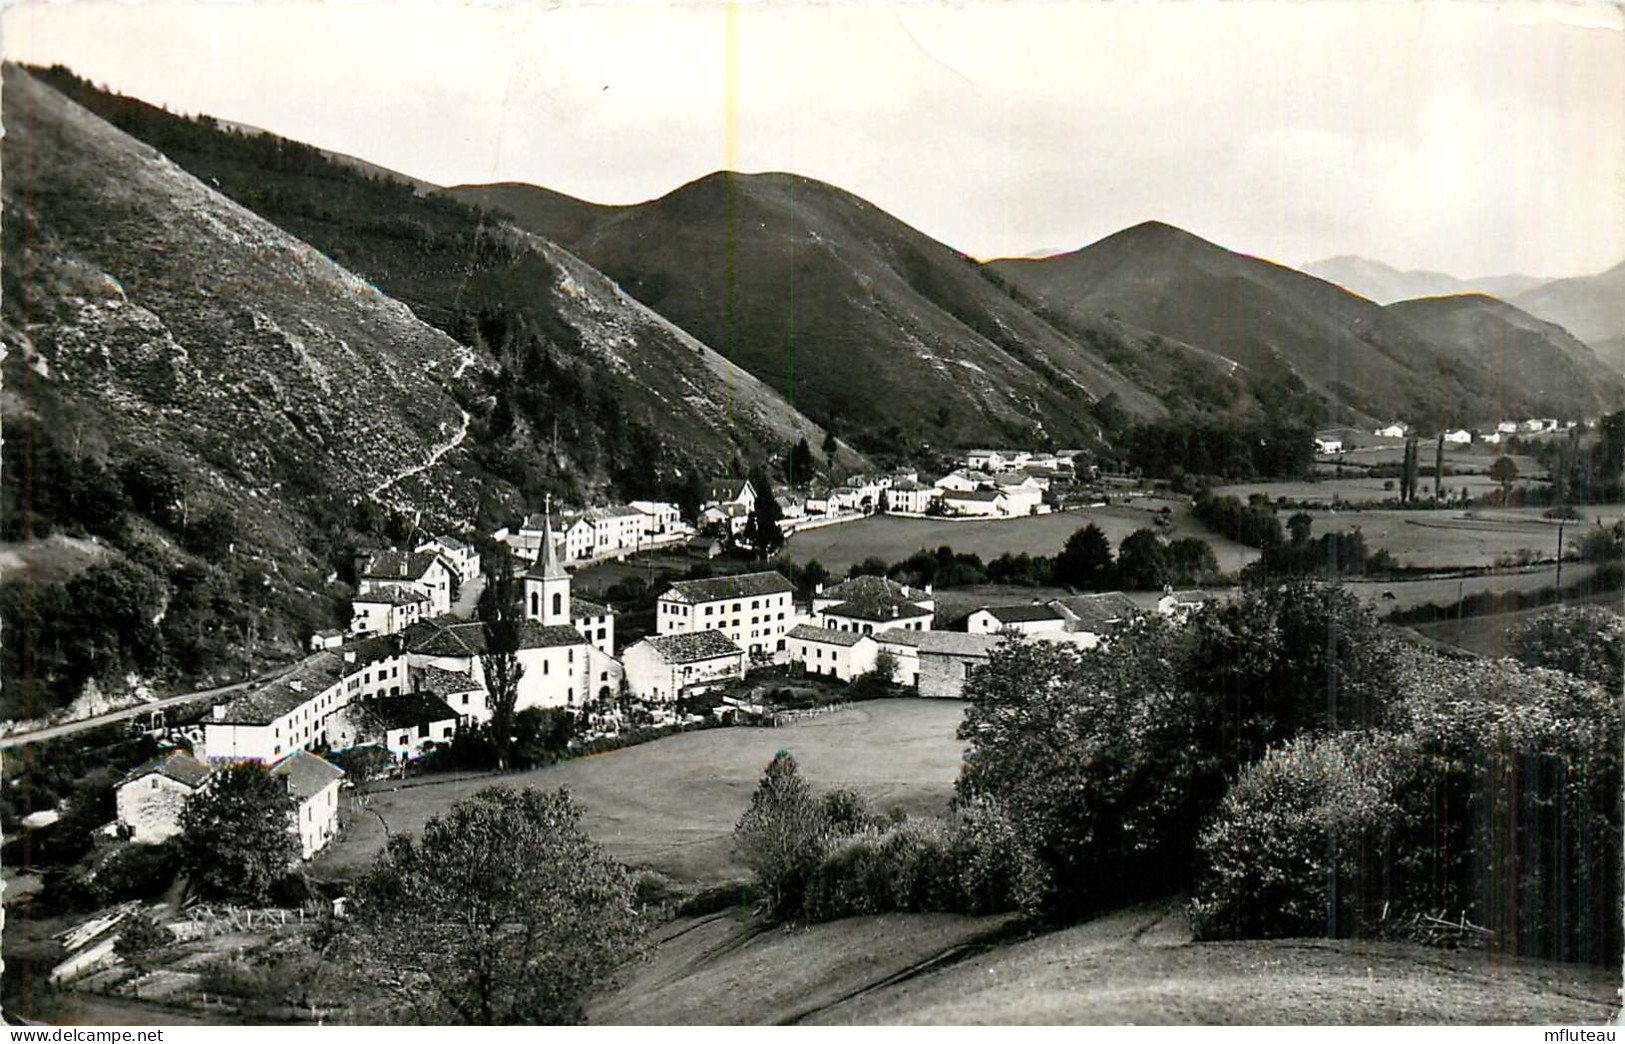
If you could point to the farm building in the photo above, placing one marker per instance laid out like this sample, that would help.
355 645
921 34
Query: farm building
665 666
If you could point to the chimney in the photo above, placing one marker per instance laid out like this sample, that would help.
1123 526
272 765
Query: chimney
927 588
296 685
403 565
905 590
219 711
895 612
818 588
349 656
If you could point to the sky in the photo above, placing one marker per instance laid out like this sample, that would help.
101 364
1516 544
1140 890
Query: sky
1473 138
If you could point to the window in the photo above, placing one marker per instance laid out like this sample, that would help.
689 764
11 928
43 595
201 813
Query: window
545 665
155 782
423 730
571 656
708 610
755 603
558 603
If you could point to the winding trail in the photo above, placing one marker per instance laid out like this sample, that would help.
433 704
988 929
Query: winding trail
434 458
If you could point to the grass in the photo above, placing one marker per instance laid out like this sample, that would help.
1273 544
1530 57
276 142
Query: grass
840 547
1487 635
1137 965
1447 538
671 805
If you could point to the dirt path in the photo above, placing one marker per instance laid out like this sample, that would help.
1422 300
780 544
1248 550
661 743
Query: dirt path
433 458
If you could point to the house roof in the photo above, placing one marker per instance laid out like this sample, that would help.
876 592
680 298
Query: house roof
874 598
272 700
869 587
409 710
1098 610
1011 478
441 682
391 564
742 585
956 643
307 775
450 543
607 514
177 765
986 496
877 609
826 635
693 646
438 638
1191 597
390 596
1023 613
580 607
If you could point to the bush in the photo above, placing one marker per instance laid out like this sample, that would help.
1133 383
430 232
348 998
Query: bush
137 872
1588 641
1299 843
781 835
995 866
715 899
139 936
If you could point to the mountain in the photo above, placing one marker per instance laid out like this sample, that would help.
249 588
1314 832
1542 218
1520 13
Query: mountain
858 318
1274 321
1542 369
584 392
1386 284
1591 308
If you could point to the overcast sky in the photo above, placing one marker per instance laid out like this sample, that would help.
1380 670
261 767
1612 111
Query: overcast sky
1474 138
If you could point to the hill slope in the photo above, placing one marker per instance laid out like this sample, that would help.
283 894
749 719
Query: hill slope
1385 284
587 393
1591 308
849 312
1538 363
1273 320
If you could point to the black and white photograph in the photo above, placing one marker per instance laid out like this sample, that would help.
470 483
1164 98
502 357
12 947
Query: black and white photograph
825 514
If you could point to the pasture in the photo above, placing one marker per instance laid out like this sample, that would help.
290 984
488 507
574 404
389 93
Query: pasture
671 805
1451 538
838 548
1353 487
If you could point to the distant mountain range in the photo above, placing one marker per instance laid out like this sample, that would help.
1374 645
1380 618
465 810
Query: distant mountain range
1386 284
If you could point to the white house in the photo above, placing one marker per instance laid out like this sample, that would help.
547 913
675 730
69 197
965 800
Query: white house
461 692
561 669
1507 427
463 559
1491 438
734 491
330 639
280 716
869 604
841 654
400 570
1037 618
1179 602
388 610
909 496
314 784
965 480
150 798
615 530
406 724
1459 437
662 519
1392 431
984 460
984 503
1328 444
663 667
753 609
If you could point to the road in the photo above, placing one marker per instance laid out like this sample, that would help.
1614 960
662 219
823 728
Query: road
23 739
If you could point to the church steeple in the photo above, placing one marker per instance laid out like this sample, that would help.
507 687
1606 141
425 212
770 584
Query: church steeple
547 583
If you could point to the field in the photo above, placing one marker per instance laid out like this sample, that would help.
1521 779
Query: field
1449 538
1137 965
671 805
1354 487
840 547
1487 635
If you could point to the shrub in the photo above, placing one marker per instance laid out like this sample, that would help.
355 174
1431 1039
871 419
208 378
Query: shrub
846 812
781 835
715 899
139 936
137 872
996 867
1299 843
1588 641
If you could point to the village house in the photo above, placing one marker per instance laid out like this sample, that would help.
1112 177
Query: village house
839 654
984 460
399 570
911 497
150 798
461 692
965 480
943 660
1095 615
1084 619
980 503
329 639
792 505
753 609
733 491
818 499
561 669
1328 444
867 604
660 518
702 547
314 786
406 724
1491 438
615 530
663 667
388 610
283 715
1507 427
463 559
1036 618
1177 603
1459 437
1392 431
725 518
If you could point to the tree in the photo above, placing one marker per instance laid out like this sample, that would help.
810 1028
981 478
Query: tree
237 834
1438 469
1086 560
830 447
799 466
504 912
501 613
762 530
1300 525
781 835
1502 470
1142 563
1587 641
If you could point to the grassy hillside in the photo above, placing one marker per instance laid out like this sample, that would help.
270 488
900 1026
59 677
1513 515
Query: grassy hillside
862 320
597 394
1275 322
1587 307
1540 366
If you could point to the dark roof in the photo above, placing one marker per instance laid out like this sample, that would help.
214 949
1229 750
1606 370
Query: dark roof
580 607
1192 597
307 775
177 765
467 638
373 648
875 598
1098 610
956 643
984 495
827 635
1023 613
743 585
391 596
272 700
451 543
396 565
409 710
442 682
694 646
